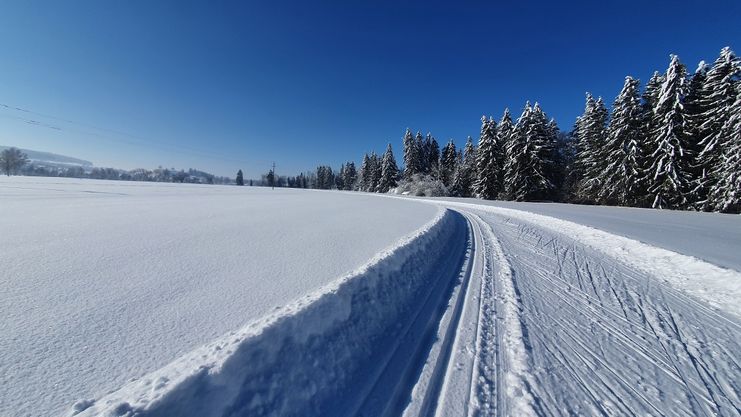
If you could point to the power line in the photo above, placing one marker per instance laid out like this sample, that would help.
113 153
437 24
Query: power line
135 140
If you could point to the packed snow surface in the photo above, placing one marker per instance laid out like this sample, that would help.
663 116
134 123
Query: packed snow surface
564 319
713 237
104 282
717 286
600 336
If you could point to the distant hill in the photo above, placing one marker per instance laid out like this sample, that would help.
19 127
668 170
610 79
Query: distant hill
49 159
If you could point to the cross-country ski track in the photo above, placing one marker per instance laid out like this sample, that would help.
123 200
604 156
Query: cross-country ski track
483 311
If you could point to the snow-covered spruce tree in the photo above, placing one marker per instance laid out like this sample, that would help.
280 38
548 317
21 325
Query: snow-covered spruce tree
339 179
568 157
324 178
350 176
422 148
240 178
389 171
531 149
715 102
424 144
544 162
649 98
559 158
448 163
694 103
718 98
411 155
487 183
504 135
375 172
433 156
514 174
365 174
591 129
622 179
668 179
464 176
510 150
695 100
725 194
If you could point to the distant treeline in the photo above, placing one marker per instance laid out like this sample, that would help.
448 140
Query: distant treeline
155 175
674 144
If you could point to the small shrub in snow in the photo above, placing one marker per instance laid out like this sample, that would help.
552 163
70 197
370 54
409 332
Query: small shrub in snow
422 186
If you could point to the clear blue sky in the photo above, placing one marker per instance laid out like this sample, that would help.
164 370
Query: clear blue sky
226 85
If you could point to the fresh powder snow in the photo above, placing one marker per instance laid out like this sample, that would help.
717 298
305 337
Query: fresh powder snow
103 282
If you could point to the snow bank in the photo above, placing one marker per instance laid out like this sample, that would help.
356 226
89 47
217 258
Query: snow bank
321 355
717 286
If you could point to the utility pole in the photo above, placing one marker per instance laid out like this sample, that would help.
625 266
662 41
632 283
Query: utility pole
273 182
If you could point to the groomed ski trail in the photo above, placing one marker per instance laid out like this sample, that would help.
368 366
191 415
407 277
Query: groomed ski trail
553 327
486 371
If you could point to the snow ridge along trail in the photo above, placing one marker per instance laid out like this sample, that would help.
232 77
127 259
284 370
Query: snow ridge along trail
353 348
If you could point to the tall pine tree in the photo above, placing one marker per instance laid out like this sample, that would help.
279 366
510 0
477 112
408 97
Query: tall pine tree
622 179
514 171
365 174
411 155
694 109
718 98
487 184
374 172
530 157
389 171
339 179
448 163
350 176
421 157
709 115
669 179
590 132
464 177
725 194
504 135
433 157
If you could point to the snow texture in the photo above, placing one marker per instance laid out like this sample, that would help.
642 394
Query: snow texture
712 237
556 324
482 309
104 282
718 286
332 353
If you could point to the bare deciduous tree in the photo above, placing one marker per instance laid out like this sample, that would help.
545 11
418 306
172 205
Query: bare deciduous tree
11 160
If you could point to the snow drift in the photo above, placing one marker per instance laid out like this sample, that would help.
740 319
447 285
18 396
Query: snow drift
329 353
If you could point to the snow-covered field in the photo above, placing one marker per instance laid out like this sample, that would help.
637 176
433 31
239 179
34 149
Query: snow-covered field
102 282
172 300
